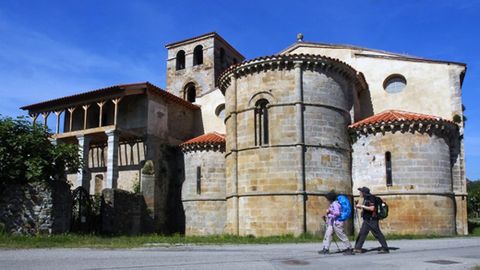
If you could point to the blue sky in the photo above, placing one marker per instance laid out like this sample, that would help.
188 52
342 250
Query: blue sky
50 49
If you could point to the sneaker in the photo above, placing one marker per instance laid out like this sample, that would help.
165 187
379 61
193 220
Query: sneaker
348 251
357 250
383 251
324 251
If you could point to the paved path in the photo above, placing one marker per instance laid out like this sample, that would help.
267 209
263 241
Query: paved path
455 253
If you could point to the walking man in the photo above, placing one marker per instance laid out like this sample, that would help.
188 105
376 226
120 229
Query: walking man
370 222
333 224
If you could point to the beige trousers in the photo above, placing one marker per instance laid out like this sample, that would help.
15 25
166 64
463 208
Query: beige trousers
338 228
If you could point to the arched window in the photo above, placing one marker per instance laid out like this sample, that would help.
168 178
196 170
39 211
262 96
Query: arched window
388 168
180 60
261 122
190 92
198 55
220 111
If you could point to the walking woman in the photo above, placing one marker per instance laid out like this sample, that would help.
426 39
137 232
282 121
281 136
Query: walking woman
333 224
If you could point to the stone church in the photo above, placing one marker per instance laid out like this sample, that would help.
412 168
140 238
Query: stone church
250 147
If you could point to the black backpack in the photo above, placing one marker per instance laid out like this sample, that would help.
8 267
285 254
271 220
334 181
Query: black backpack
381 208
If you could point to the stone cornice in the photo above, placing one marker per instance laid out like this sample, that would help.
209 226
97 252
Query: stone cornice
279 62
439 127
208 146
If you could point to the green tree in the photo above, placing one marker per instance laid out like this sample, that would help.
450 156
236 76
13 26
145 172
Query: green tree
27 155
473 203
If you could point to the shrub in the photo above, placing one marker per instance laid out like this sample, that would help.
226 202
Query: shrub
136 186
27 155
473 202
148 168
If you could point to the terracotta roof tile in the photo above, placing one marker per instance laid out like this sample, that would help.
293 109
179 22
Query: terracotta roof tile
209 138
397 116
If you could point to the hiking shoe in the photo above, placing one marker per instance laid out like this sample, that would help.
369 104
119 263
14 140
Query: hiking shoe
348 251
383 251
357 250
323 251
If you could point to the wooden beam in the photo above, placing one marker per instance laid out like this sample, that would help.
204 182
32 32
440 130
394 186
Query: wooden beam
57 127
71 110
85 115
100 105
115 102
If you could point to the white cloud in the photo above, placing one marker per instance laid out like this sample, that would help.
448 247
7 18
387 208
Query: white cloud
36 67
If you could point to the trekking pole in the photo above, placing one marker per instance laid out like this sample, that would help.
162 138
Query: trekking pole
358 222
335 241
333 235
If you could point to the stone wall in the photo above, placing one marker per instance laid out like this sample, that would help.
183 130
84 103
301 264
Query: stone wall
209 104
433 87
203 76
419 215
205 208
43 207
421 196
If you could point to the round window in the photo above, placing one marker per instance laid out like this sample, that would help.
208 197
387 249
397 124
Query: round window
394 83
220 111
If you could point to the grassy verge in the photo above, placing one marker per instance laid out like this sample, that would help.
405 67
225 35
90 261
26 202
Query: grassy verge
474 226
95 241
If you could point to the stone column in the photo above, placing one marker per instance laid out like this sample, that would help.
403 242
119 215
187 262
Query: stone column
112 159
235 155
300 142
83 175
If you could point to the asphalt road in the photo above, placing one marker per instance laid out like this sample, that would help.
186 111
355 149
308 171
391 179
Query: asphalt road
451 253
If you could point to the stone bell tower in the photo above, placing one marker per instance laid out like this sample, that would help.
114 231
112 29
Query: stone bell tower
194 64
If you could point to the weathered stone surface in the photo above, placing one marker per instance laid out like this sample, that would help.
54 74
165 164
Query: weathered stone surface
43 207
204 203
421 196
124 213
307 156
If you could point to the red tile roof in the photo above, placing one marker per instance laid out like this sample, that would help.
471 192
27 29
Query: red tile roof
115 90
209 138
397 116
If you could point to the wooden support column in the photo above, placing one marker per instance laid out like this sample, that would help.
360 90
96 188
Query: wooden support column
45 118
85 115
57 127
71 110
100 106
115 102
34 117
